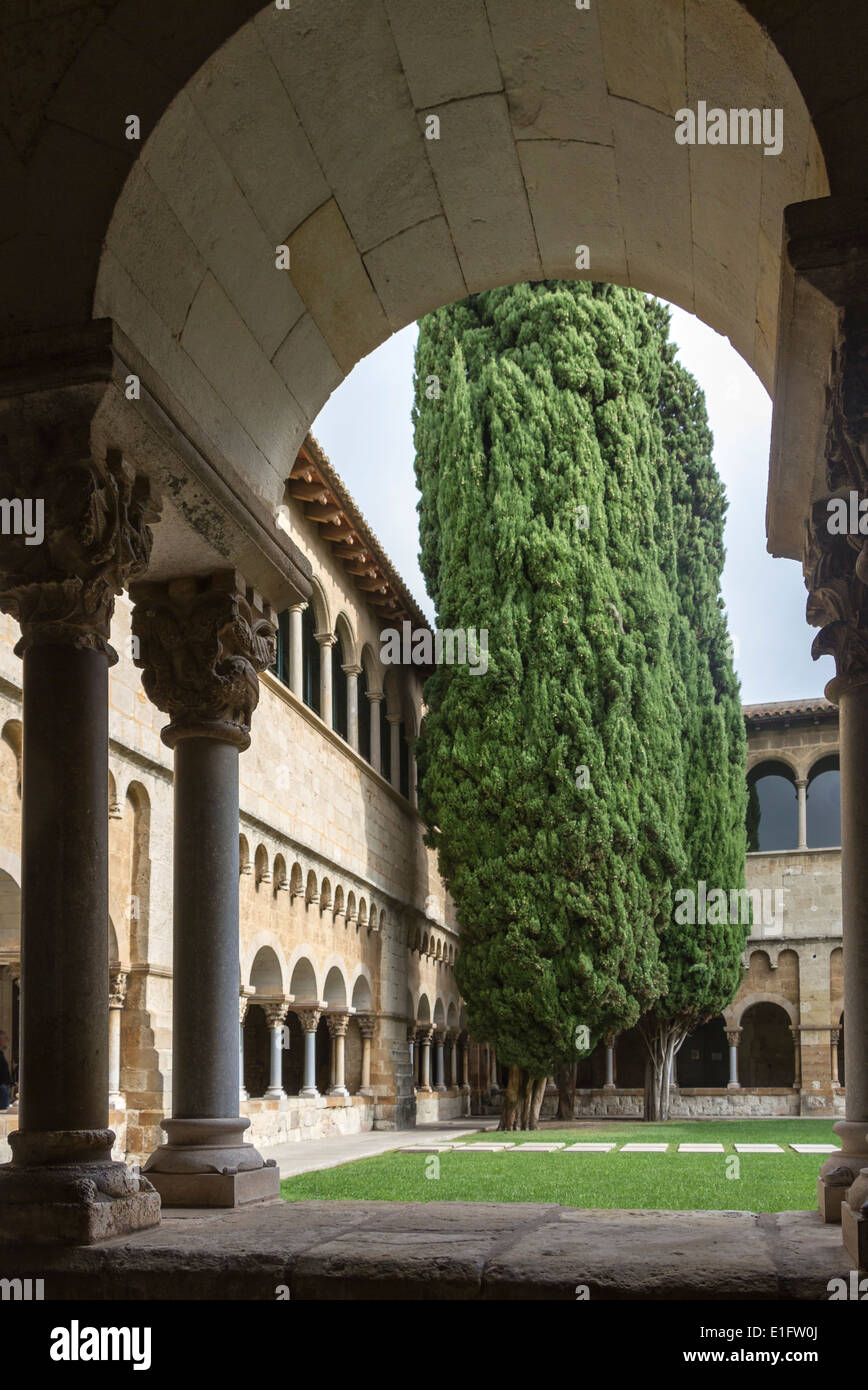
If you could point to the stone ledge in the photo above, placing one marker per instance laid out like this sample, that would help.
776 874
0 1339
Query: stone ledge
448 1250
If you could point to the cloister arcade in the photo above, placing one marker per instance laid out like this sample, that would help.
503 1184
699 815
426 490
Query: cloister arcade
174 349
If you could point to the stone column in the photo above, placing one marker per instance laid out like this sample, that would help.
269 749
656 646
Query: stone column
836 573
796 1035
494 1085
202 643
835 1038
352 674
732 1037
62 1185
376 699
242 1014
309 1020
275 1015
411 1040
609 1083
296 644
337 1026
394 721
326 699
453 1059
465 1062
367 1024
802 790
411 771
426 1033
439 1059
117 996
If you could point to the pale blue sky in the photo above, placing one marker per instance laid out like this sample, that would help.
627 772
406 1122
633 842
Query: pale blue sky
365 429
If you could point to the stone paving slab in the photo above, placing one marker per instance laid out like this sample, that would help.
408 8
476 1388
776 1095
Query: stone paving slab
443 1250
428 1148
485 1148
589 1148
643 1148
758 1148
531 1148
814 1148
700 1148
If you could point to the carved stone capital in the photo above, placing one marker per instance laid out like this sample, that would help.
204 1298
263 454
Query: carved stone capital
732 1036
367 1024
202 644
338 1024
59 577
425 1035
117 989
836 565
243 1003
275 1013
308 1018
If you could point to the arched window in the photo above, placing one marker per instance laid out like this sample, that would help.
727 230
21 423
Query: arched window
340 722
773 810
385 743
824 803
364 717
310 659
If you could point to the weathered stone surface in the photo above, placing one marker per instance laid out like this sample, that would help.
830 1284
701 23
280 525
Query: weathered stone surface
386 1250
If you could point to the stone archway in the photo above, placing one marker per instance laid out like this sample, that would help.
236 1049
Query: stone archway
766 1049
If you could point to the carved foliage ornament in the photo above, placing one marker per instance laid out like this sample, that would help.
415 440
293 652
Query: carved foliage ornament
202 646
96 537
836 566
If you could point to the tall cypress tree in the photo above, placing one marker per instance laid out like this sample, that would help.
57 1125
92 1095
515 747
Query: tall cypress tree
554 786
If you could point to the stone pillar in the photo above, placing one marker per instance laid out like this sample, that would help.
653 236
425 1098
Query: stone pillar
367 1024
296 644
796 1035
411 771
453 1059
394 721
275 1015
802 790
465 1062
242 1014
61 1184
309 1020
202 643
326 699
117 996
425 1035
352 674
732 1037
835 1038
609 1083
836 573
411 1041
337 1026
439 1059
376 699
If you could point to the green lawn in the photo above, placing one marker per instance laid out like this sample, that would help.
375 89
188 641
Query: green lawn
670 1181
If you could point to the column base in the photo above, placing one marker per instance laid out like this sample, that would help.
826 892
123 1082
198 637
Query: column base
275 1093
854 1222
733 1085
337 1091
63 1188
841 1169
609 1086
441 1087
308 1093
366 1091
207 1164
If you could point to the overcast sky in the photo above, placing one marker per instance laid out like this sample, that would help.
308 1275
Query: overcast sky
365 430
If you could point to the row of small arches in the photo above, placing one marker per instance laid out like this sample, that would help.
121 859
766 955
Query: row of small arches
773 805
316 892
269 975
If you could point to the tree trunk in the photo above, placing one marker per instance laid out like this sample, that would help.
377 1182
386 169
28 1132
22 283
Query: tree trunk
565 1079
662 1041
522 1100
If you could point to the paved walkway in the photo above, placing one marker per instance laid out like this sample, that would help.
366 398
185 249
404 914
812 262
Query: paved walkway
308 1156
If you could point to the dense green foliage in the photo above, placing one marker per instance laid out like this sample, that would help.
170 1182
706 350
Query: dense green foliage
606 652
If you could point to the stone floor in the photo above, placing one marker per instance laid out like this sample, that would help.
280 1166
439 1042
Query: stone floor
449 1250
315 1154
